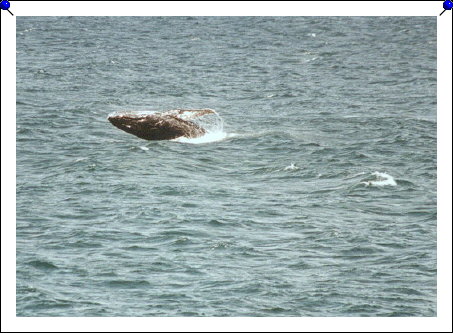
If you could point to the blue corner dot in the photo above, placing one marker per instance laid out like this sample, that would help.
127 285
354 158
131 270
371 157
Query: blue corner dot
448 5
5 5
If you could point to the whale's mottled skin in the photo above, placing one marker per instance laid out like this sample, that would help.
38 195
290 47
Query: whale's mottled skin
166 125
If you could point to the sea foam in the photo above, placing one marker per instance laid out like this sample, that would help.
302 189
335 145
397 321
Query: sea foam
382 179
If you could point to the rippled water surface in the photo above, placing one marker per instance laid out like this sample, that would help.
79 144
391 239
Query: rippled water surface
318 197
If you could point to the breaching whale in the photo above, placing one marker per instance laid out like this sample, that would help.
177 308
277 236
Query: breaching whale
166 125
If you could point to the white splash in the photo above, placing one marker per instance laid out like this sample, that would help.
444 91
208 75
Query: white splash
143 148
212 123
382 179
291 167
207 138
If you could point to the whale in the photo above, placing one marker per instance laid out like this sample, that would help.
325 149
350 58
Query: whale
166 125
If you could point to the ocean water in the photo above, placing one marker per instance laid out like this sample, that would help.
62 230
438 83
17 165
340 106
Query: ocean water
317 196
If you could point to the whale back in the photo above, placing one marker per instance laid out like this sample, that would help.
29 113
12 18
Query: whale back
159 126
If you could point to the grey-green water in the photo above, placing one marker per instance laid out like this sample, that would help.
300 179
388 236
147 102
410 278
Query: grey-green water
320 200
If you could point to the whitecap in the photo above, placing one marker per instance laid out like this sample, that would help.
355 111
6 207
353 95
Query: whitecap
291 167
382 179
